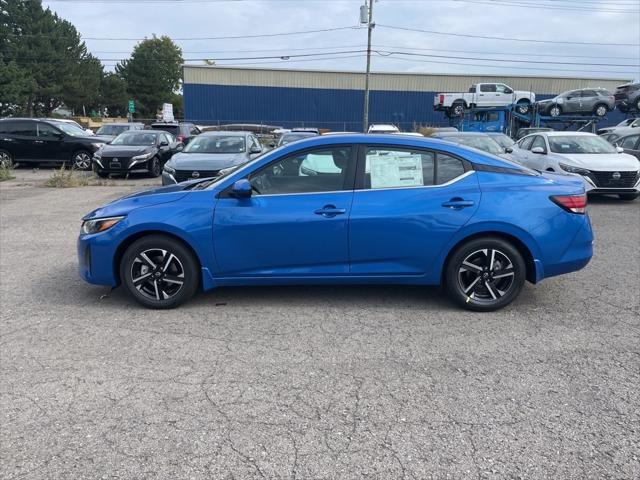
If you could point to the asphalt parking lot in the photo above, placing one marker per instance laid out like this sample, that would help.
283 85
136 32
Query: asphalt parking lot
310 383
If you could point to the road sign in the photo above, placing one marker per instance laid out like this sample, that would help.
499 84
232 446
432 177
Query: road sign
132 106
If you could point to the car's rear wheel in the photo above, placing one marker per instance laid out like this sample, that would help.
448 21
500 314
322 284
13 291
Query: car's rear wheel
159 272
485 274
600 110
457 109
629 197
555 111
6 159
81 160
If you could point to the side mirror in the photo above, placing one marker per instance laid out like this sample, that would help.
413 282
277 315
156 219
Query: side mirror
538 150
241 189
508 150
164 143
179 146
255 149
272 145
619 149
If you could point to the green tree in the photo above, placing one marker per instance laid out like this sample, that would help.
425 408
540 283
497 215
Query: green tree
152 74
50 55
113 94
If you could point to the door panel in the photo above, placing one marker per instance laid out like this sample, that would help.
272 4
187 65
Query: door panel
402 231
20 140
49 145
296 221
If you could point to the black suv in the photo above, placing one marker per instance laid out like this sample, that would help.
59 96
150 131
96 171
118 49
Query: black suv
628 97
33 141
183 132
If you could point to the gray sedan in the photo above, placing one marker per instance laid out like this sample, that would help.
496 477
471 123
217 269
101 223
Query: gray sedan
210 152
587 101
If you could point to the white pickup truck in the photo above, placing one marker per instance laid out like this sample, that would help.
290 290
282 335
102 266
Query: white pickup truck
483 95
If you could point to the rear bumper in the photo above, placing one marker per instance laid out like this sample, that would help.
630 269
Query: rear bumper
576 256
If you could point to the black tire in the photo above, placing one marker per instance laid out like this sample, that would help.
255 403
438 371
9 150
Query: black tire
555 111
6 159
523 106
102 174
165 290
81 160
457 109
154 167
637 104
600 110
629 197
478 288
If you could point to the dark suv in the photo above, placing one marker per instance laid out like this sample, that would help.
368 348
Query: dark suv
34 141
183 132
628 97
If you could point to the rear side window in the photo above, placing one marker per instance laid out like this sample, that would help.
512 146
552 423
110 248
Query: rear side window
630 142
399 168
589 93
26 129
487 87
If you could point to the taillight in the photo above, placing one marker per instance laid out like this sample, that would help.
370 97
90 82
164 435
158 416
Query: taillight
441 99
571 203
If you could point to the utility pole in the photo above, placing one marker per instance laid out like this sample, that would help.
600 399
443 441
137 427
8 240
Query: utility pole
366 16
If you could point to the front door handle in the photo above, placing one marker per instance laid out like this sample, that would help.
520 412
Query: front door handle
330 211
457 203
38 141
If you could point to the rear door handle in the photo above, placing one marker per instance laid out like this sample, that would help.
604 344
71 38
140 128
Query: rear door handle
38 141
458 203
329 211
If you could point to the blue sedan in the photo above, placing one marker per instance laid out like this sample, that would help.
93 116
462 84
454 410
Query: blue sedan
345 209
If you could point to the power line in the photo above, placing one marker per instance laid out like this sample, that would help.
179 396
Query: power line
484 37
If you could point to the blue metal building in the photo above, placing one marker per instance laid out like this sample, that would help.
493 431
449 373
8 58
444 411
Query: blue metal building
334 100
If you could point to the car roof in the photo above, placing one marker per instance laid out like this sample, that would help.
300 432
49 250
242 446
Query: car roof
459 134
566 133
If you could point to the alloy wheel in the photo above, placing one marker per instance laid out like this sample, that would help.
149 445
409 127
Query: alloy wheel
555 111
82 161
601 111
157 274
523 108
5 160
486 275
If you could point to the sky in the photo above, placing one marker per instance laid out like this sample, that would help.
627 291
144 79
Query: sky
584 38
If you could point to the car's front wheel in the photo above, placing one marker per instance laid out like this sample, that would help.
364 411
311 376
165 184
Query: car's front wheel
159 272
523 106
154 168
6 160
485 274
600 110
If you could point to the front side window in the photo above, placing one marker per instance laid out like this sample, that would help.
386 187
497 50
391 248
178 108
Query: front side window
525 143
500 88
538 141
629 142
589 93
391 168
319 170
47 131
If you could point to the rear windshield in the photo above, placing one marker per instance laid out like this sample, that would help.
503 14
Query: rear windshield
112 129
172 129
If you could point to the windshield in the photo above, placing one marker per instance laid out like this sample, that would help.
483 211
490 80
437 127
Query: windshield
294 137
112 129
579 144
503 140
481 143
216 144
137 139
71 129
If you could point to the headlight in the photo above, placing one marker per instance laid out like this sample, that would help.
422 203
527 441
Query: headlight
571 169
97 225
144 156
168 169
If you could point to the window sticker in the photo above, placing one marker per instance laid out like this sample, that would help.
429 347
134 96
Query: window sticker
395 170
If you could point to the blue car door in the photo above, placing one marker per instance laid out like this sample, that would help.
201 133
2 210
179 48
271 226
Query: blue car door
407 205
296 221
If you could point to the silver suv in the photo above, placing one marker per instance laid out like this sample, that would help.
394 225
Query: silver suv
628 97
586 101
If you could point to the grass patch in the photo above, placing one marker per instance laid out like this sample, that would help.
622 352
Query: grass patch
5 173
67 178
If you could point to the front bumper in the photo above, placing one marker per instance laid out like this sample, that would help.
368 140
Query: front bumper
168 178
95 254
105 165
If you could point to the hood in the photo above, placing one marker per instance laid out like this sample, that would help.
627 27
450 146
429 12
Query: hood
95 138
206 161
605 162
548 100
125 150
146 198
